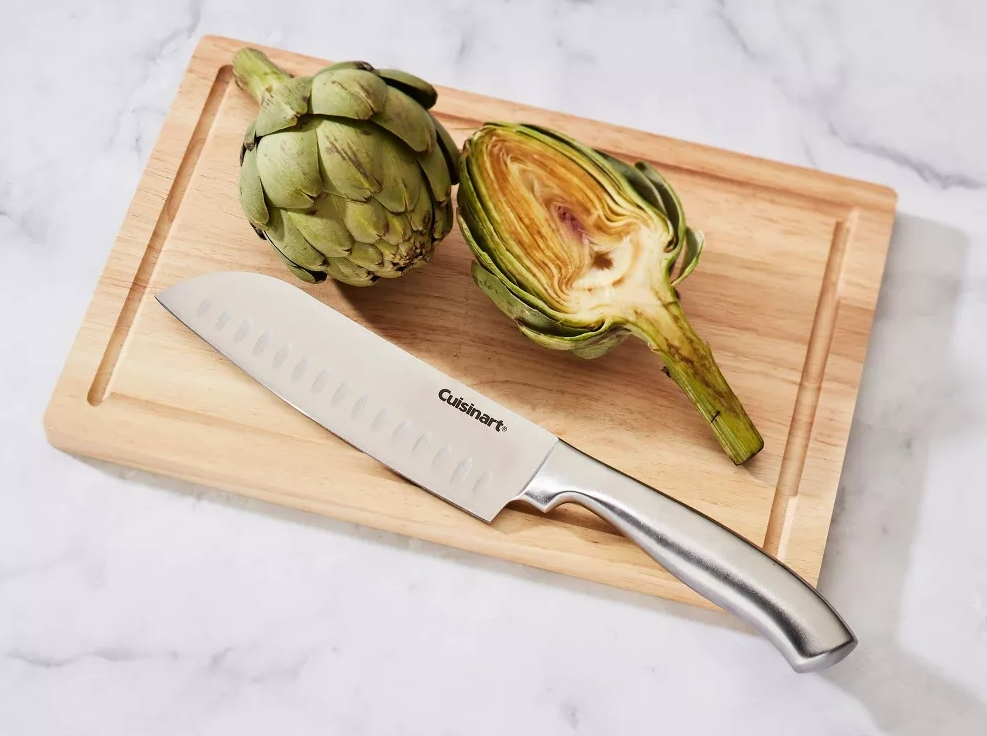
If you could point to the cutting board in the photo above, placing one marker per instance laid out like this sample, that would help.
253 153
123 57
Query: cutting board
785 294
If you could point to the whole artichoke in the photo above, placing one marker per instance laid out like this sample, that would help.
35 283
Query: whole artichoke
582 250
346 173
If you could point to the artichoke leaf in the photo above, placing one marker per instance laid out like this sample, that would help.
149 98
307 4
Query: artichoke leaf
366 255
693 248
401 177
417 89
366 221
273 117
348 152
388 251
393 274
483 240
288 164
672 203
449 149
348 93
323 228
365 66
557 322
588 346
485 254
309 277
405 253
433 163
292 245
677 216
283 107
514 307
399 227
249 141
420 216
251 190
487 243
443 219
602 345
406 119
637 180
348 272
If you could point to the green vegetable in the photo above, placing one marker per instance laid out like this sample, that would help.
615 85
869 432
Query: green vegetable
582 250
345 173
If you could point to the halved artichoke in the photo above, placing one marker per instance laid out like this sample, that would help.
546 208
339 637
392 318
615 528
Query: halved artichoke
582 250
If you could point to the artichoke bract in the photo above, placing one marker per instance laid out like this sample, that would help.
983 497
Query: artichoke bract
346 173
582 250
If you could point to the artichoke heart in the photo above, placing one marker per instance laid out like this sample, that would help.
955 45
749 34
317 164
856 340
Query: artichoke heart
345 173
582 250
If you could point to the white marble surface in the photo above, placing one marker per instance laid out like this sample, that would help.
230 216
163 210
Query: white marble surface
133 605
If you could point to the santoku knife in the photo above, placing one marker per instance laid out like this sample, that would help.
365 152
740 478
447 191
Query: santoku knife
479 456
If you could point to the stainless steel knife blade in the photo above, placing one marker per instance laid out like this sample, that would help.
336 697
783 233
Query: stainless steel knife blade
375 396
451 440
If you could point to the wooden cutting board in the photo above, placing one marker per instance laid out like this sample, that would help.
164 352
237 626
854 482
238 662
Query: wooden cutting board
785 293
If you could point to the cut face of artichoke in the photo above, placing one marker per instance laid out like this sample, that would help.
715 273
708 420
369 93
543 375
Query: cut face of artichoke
596 258
581 250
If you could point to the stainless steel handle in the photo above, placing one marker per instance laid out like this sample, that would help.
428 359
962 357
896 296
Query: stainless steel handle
703 554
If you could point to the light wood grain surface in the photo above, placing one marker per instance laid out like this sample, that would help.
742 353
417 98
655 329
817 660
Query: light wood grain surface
785 294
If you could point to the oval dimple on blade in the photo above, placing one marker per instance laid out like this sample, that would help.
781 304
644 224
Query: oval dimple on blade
243 330
360 406
400 431
262 342
282 355
300 367
223 318
462 470
441 456
482 482
340 395
379 420
421 442
320 381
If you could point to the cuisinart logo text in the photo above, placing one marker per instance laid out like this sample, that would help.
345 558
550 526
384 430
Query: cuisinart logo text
467 408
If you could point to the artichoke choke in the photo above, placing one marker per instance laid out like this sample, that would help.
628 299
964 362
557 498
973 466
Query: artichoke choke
346 173
582 250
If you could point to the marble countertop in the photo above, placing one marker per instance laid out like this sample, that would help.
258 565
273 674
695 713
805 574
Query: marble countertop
130 604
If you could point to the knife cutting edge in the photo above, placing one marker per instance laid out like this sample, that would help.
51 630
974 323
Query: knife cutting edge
479 456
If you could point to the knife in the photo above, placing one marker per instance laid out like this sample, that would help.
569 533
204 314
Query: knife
448 439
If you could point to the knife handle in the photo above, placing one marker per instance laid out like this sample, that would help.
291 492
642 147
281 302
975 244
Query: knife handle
712 560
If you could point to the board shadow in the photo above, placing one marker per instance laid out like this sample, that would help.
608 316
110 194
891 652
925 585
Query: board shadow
908 384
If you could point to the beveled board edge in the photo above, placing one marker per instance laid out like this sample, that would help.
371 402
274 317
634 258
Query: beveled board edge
124 277
71 413
802 542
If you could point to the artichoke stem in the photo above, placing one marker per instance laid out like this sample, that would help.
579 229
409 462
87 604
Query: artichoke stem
689 362
257 74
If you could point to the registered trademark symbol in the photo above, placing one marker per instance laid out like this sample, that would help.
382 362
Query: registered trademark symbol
503 427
